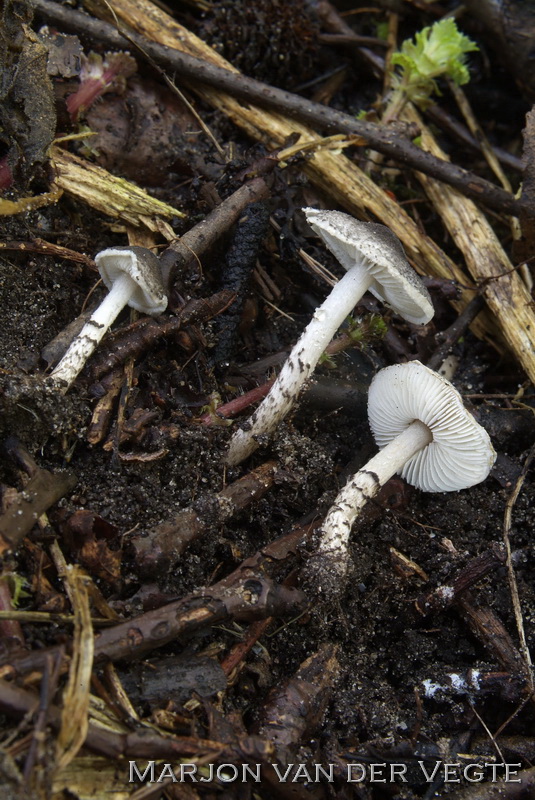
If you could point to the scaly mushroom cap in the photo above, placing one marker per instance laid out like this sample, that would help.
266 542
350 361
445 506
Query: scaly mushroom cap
144 269
381 252
461 453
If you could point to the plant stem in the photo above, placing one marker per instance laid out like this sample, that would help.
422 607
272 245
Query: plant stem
301 362
364 485
91 334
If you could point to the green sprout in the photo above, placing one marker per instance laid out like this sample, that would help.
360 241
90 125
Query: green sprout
437 51
16 585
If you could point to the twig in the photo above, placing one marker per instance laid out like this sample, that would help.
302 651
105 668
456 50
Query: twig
11 635
146 332
240 650
491 632
447 122
49 616
352 39
237 405
382 139
159 549
48 687
457 329
48 249
448 594
245 595
138 743
201 237
507 521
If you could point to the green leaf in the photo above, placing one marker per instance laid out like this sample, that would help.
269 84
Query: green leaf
437 51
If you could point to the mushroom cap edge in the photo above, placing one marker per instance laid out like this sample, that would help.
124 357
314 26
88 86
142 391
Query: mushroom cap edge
143 267
379 249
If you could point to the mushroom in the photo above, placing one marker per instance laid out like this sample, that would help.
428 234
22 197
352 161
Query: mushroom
133 277
425 433
374 259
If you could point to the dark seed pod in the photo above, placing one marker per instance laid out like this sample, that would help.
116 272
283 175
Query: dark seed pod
239 264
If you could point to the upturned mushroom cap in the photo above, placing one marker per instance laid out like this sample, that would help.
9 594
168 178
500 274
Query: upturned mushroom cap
143 268
380 251
461 453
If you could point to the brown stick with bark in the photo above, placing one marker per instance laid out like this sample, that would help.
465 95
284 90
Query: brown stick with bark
249 90
160 548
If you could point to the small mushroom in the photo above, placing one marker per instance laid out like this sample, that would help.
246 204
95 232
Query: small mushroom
425 434
374 259
133 277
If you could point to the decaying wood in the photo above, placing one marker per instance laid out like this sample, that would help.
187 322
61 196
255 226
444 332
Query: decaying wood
292 711
38 245
40 493
202 236
122 742
74 715
504 291
156 551
447 594
245 595
144 333
481 619
489 629
108 194
103 410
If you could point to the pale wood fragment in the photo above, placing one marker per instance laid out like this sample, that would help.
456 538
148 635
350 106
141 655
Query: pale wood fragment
504 291
107 193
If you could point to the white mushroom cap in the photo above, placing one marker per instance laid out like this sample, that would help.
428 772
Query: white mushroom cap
142 266
460 454
382 254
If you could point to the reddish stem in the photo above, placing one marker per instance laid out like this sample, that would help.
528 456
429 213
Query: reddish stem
237 405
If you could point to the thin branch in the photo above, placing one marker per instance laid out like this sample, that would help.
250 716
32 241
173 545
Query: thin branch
385 140
507 521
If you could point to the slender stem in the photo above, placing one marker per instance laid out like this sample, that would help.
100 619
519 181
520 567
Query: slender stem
365 484
89 337
301 362
396 102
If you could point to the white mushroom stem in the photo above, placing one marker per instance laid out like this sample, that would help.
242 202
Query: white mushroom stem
363 486
301 362
95 328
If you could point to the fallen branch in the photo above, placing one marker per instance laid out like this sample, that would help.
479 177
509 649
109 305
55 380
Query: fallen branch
244 596
40 493
159 549
380 138
138 337
201 237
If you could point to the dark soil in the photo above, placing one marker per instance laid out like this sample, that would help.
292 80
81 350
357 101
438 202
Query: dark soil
378 708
